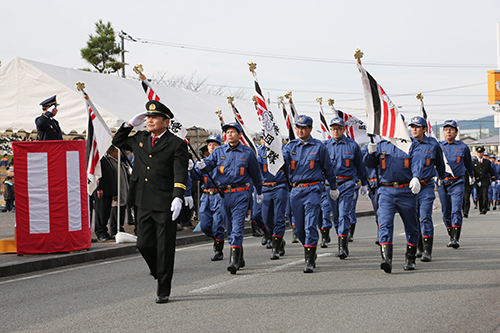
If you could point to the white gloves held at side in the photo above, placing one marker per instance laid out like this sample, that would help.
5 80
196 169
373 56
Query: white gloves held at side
334 194
363 190
472 180
259 198
189 202
176 208
415 185
138 119
190 165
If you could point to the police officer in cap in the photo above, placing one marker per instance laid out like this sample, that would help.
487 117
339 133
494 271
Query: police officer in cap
46 126
428 153
211 221
451 188
483 172
236 165
157 188
307 162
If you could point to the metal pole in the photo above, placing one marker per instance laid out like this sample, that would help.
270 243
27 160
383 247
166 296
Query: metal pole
119 187
498 45
123 55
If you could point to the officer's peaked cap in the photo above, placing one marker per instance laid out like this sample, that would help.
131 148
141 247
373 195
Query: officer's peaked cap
49 102
480 149
156 108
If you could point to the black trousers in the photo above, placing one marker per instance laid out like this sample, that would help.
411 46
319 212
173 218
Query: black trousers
467 191
156 242
482 196
102 212
114 216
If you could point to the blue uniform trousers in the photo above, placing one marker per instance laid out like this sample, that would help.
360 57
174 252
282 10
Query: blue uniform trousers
289 214
353 217
405 202
235 206
273 209
211 221
306 207
474 193
374 199
451 203
342 208
425 201
326 209
256 214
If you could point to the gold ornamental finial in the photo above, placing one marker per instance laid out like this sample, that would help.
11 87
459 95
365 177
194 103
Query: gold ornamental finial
80 86
254 99
138 69
253 66
319 100
331 101
358 55
230 99
280 99
420 97
218 113
288 95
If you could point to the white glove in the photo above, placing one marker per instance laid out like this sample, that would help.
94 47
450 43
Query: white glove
201 165
415 185
472 180
363 190
334 194
190 165
372 147
138 119
50 110
259 198
440 182
478 184
176 208
189 202
493 184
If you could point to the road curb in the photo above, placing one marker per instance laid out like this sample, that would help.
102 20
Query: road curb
66 259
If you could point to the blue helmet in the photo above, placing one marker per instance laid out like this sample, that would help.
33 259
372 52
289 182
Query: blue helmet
233 125
304 121
337 121
213 138
451 123
418 121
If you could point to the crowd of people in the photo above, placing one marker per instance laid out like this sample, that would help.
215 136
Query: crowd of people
316 189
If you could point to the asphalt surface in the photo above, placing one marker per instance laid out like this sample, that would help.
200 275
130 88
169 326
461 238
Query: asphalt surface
459 291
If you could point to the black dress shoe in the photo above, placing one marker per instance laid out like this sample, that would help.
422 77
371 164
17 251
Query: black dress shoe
466 215
161 299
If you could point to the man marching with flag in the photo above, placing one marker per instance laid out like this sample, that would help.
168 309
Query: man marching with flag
399 173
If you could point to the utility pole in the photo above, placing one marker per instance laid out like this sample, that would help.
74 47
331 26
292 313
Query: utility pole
124 35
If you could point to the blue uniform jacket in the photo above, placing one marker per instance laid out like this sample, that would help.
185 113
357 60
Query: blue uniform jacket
346 158
309 162
268 177
206 183
394 164
235 165
429 154
458 155
371 172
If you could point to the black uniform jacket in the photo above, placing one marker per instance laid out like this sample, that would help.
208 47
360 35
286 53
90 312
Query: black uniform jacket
107 182
483 171
160 172
47 128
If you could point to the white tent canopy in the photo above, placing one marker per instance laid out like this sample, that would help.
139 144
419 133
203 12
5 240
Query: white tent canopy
25 83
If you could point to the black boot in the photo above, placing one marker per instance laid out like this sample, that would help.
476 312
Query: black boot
494 204
242 261
352 227
256 232
456 237
342 247
427 255
234 260
420 247
386 252
276 243
475 204
410 258
310 256
295 239
450 233
282 247
325 238
266 239
218 247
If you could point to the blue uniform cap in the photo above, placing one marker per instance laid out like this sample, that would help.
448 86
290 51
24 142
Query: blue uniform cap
49 102
451 123
262 135
213 138
233 125
337 121
418 121
304 121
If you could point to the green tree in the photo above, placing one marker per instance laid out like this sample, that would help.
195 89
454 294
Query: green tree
101 49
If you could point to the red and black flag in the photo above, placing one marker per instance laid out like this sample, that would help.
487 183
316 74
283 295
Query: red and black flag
245 138
288 120
324 125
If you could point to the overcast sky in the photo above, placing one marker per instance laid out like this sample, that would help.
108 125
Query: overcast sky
407 46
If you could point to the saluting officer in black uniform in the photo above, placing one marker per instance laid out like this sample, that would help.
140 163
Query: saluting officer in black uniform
157 187
483 171
46 126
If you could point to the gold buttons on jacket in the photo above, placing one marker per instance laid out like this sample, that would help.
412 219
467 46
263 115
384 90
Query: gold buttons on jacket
145 179
147 168
150 156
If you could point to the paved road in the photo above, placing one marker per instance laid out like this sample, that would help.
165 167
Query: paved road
459 291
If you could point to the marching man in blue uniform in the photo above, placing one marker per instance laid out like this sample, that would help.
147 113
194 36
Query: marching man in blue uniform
275 191
236 164
46 126
211 221
427 152
307 163
451 188
348 165
399 183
